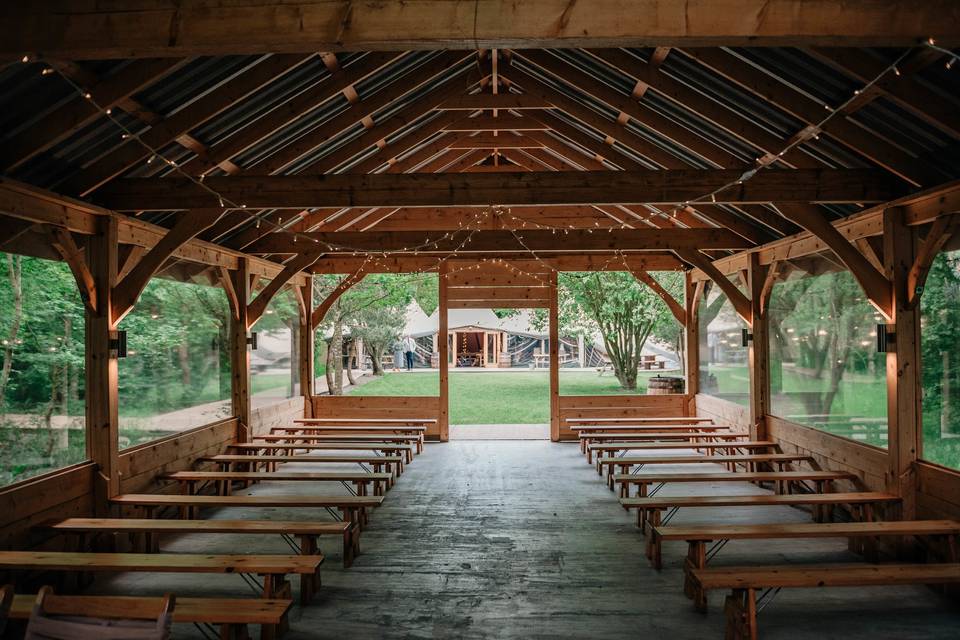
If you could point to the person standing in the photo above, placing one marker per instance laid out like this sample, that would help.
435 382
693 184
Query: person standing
397 354
409 348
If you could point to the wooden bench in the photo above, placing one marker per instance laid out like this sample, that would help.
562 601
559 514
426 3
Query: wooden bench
231 615
385 449
611 448
783 480
741 606
272 568
352 508
749 461
640 420
590 437
292 438
150 529
862 501
192 481
373 429
230 462
865 533
379 422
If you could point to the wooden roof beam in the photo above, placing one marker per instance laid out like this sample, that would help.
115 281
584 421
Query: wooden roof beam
568 187
79 30
502 122
295 265
503 241
675 307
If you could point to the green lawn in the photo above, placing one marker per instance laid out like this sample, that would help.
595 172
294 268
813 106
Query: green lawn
509 397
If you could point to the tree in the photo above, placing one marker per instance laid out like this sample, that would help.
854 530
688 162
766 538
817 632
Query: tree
624 311
378 327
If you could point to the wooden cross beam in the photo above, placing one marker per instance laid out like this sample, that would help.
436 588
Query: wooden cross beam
561 187
675 307
258 305
942 229
62 240
741 303
79 30
125 293
547 241
321 311
875 284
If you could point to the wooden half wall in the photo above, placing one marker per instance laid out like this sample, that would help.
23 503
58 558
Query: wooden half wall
381 407
619 406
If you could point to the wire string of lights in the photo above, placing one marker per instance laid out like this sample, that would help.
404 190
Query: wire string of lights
469 228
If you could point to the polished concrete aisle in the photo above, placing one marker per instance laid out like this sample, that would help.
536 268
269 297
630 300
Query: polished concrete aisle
521 539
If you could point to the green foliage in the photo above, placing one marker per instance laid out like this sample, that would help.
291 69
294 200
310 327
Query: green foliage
623 310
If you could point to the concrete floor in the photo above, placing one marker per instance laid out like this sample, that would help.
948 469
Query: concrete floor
521 539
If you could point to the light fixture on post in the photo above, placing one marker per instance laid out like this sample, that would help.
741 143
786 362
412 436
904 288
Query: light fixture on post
252 340
885 335
745 337
117 344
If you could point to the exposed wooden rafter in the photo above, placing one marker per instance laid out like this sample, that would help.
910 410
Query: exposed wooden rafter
570 187
81 31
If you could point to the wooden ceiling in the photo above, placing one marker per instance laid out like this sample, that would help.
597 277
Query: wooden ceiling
337 149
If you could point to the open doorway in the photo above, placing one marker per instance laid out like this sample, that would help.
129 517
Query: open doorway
499 383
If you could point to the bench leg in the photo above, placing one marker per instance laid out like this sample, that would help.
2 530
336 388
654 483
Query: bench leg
741 613
229 631
696 559
309 585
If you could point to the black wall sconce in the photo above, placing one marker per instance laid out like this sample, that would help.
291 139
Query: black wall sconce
745 337
252 340
118 344
885 336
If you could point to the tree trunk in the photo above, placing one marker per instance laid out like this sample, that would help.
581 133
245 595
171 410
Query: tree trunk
328 369
376 357
294 326
336 354
183 358
14 265
351 356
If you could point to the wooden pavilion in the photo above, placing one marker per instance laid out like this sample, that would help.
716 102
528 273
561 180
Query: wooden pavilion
254 145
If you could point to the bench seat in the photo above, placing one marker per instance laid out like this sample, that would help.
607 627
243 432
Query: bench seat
406 450
864 533
750 461
230 461
360 479
293 438
639 420
658 503
273 568
708 447
232 615
151 528
783 479
352 508
741 605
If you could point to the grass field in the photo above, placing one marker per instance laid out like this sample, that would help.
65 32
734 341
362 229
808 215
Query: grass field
509 397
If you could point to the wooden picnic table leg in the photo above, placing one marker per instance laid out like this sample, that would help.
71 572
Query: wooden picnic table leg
741 613
277 587
309 584
238 631
696 559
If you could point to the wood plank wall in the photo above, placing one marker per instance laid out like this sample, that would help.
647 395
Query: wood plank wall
64 493
380 407
615 406
722 411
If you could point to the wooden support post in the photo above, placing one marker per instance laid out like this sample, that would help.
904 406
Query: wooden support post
306 347
102 412
903 365
240 353
692 337
554 359
758 354
443 420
